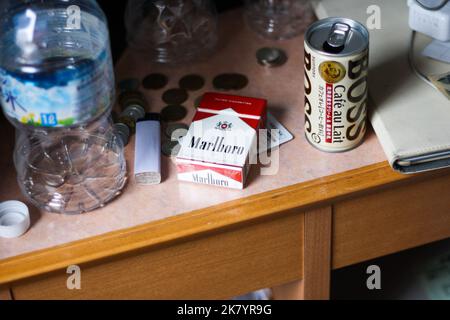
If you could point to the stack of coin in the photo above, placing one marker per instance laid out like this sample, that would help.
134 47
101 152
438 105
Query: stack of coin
123 132
125 125
134 112
271 57
230 81
132 98
130 116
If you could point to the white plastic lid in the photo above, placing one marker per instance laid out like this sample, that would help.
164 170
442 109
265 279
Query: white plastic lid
14 219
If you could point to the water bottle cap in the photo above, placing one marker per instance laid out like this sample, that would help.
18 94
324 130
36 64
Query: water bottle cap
14 219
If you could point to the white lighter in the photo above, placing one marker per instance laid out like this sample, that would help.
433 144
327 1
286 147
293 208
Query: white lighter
147 161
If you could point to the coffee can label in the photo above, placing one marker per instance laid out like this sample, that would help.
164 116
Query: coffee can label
336 91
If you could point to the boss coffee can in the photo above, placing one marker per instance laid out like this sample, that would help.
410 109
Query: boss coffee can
336 87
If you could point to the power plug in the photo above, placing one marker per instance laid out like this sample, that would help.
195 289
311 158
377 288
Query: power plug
435 24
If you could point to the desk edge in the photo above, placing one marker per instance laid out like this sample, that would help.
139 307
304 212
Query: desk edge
292 199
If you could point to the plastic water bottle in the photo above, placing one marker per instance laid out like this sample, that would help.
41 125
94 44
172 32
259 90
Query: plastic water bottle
57 89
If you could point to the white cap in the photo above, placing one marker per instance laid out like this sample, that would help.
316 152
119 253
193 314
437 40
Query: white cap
14 219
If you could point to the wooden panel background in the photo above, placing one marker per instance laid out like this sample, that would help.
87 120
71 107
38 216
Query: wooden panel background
5 294
390 221
218 266
317 254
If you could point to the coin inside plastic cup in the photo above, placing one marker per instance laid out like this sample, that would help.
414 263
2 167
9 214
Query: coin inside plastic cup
14 219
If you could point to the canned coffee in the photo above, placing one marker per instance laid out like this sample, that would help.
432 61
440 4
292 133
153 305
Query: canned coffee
336 86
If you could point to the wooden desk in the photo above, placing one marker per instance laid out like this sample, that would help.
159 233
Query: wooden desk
179 240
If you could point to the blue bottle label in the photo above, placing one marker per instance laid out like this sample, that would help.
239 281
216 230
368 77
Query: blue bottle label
62 97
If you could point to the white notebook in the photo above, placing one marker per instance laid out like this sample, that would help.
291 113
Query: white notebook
410 118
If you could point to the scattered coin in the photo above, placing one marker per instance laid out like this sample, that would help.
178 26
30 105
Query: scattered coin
175 130
129 84
230 81
173 113
170 148
192 82
175 96
155 81
198 101
271 57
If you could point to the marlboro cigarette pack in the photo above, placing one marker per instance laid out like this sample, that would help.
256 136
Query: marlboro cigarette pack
222 140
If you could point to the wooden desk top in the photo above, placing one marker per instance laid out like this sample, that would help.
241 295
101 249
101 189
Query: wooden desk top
147 216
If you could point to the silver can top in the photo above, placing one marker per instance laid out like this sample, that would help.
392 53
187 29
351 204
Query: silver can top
337 36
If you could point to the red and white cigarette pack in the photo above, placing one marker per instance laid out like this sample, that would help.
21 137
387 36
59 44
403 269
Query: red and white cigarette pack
222 140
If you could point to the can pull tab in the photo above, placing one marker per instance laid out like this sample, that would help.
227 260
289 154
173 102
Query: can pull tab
337 37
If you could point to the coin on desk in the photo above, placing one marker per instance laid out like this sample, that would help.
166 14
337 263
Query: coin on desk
173 113
175 130
175 96
230 81
271 57
192 82
155 81
170 148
